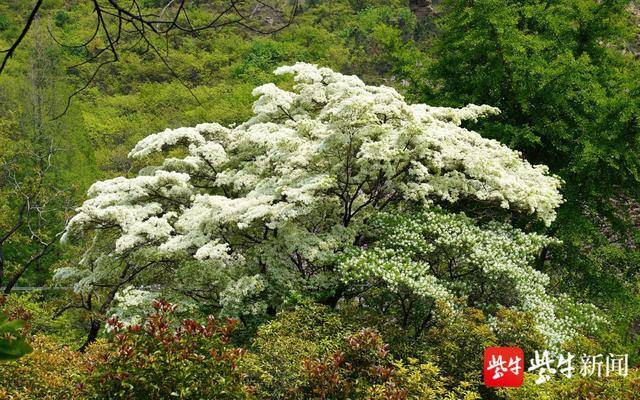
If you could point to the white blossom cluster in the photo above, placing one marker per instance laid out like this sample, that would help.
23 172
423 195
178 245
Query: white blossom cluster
132 305
280 194
241 296
444 256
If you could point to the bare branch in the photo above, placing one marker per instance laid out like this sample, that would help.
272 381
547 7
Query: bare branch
113 19
9 52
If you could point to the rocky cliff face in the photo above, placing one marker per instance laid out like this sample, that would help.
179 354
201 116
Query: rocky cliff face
422 8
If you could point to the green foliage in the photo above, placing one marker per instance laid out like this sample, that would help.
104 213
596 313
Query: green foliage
274 365
61 18
357 371
599 265
153 3
5 23
312 352
262 58
456 344
565 77
12 344
556 71
514 328
427 381
384 48
40 315
38 179
50 372
13 328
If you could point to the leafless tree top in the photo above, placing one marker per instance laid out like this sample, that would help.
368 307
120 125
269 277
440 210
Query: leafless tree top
119 23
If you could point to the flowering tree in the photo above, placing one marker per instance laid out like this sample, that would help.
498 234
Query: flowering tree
420 258
246 217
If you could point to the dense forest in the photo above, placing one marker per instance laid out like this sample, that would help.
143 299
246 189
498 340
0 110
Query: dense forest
342 199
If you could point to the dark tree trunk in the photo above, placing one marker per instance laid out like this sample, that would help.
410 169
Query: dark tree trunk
94 329
332 301
14 280
1 266
271 311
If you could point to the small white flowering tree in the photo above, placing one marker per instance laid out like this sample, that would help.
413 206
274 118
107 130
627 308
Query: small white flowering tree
247 217
416 259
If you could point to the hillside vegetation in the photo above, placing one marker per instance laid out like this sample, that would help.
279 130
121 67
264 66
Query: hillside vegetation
332 236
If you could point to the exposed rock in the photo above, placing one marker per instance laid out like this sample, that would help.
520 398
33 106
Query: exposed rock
422 8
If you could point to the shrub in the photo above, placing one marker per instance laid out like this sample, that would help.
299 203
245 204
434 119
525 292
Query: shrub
456 343
50 372
313 353
426 381
274 367
364 369
517 328
12 343
61 18
358 371
165 358
37 313
5 23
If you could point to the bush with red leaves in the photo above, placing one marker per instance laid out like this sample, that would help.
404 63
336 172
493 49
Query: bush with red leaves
363 370
167 358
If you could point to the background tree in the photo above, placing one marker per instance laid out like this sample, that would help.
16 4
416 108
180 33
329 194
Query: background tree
565 76
556 71
35 195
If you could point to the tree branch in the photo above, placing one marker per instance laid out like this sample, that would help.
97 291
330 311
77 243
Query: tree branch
9 52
